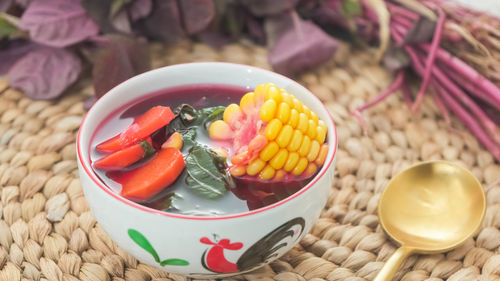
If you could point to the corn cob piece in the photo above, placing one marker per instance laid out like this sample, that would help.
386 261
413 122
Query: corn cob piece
274 135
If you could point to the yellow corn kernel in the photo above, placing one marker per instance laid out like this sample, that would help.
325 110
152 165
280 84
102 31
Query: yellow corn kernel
303 123
287 98
300 167
279 175
255 166
247 102
320 134
298 105
313 151
237 171
310 170
273 129
314 117
322 155
291 161
220 130
305 146
268 110
269 151
260 94
284 136
296 141
232 113
294 118
322 124
283 112
273 93
311 129
267 173
306 110
279 159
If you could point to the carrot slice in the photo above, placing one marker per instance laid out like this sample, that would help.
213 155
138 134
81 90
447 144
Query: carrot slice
143 127
148 180
125 157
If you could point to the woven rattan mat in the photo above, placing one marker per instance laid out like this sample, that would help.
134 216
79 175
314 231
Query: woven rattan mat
48 233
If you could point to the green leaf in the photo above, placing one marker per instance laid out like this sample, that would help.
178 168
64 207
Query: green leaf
147 148
6 28
188 137
205 175
211 114
351 8
140 240
174 262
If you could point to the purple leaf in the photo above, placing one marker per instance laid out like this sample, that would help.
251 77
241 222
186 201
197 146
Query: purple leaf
14 51
164 23
122 58
139 9
58 23
302 46
275 26
45 72
5 5
266 7
197 14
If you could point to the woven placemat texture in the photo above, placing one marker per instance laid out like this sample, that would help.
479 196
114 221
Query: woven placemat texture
48 233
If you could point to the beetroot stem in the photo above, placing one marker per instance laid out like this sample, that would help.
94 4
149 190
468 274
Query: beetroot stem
469 121
430 59
382 96
442 108
469 73
457 108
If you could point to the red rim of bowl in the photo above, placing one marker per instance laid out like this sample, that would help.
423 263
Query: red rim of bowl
133 204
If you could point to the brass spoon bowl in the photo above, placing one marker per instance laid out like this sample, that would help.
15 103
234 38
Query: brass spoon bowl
429 208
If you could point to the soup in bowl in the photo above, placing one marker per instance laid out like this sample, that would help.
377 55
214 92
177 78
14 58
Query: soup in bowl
207 169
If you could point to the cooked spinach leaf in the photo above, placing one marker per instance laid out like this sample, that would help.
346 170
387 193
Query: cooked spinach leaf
212 114
188 136
206 172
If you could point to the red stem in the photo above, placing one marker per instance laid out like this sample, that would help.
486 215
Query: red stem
469 73
430 59
383 95
442 108
469 121
397 10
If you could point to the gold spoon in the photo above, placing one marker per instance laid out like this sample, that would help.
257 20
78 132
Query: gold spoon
429 208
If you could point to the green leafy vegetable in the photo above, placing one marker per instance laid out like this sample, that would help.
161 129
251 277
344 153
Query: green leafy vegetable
211 114
206 173
188 137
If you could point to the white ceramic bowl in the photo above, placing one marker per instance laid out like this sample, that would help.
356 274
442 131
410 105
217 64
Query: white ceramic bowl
203 247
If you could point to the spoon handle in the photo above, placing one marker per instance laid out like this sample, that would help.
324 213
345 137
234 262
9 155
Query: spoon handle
393 263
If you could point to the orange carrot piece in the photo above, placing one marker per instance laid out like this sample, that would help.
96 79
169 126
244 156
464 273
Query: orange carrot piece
143 127
125 157
148 180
